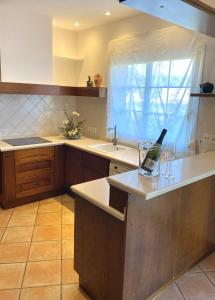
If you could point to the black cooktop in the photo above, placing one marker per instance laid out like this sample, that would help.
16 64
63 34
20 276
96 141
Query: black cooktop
26 141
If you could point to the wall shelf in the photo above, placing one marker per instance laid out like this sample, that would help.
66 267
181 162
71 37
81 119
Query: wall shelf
46 89
202 95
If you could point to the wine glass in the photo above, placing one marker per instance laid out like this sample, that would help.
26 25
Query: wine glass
169 155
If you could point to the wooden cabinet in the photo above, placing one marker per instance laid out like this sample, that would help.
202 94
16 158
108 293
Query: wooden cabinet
31 174
94 167
81 166
73 166
37 173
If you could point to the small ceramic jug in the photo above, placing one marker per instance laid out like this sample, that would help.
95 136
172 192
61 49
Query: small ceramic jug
98 80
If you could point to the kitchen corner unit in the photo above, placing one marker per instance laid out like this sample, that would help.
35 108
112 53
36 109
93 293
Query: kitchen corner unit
36 171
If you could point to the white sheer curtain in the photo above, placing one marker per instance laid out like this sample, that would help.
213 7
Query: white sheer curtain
150 80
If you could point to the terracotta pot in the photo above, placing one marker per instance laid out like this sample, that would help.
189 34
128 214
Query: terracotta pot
98 80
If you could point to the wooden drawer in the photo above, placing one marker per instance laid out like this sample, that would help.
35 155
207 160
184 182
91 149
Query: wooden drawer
30 160
34 185
34 155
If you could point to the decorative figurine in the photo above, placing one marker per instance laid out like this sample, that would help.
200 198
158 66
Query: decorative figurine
207 87
98 80
89 82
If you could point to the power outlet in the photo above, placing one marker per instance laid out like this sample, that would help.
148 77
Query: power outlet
92 131
207 139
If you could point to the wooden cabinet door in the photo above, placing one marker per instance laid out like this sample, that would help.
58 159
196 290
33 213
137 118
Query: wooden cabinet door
94 167
73 167
31 174
9 178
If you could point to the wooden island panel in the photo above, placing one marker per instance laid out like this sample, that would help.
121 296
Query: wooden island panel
160 239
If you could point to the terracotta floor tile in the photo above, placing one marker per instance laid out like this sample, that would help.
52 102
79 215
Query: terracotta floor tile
68 231
17 234
48 219
195 269
50 207
42 273
11 275
68 218
9 295
46 250
47 233
208 264
1 232
41 293
57 199
27 208
68 208
73 292
68 198
170 293
67 249
14 252
68 273
196 286
6 211
4 220
211 275
22 220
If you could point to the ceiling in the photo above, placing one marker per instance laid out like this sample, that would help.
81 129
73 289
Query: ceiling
66 12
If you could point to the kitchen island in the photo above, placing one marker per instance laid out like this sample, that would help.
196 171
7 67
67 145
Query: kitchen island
134 235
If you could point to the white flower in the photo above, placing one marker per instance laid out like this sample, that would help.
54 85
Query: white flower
72 132
74 113
65 122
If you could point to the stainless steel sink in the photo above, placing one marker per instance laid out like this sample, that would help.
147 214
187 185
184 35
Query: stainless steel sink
109 147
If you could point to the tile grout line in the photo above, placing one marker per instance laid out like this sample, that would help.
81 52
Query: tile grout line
205 272
180 291
28 255
6 227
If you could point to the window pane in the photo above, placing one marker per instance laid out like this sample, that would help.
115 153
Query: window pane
160 74
180 73
137 75
158 100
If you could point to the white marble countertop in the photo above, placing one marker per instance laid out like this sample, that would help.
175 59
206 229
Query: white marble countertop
128 157
97 192
186 171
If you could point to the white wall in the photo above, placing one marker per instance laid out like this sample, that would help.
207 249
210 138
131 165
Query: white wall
26 46
66 68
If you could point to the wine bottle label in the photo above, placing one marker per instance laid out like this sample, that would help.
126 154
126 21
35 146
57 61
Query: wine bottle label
150 164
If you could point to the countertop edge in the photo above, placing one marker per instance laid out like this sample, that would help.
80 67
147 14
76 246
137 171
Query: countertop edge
67 143
152 195
106 208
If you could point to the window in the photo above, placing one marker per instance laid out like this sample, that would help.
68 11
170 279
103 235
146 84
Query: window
145 98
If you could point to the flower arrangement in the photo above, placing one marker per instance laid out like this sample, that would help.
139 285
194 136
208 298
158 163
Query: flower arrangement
71 127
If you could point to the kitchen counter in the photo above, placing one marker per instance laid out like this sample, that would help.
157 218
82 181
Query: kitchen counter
158 240
186 171
128 157
97 192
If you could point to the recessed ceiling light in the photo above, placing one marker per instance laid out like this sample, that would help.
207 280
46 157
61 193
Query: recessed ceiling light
107 13
77 24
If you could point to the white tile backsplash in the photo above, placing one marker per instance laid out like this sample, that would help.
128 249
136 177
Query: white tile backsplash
30 115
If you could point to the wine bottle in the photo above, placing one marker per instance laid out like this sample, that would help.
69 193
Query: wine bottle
153 154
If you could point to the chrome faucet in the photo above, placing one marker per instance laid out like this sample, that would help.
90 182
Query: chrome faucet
114 140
